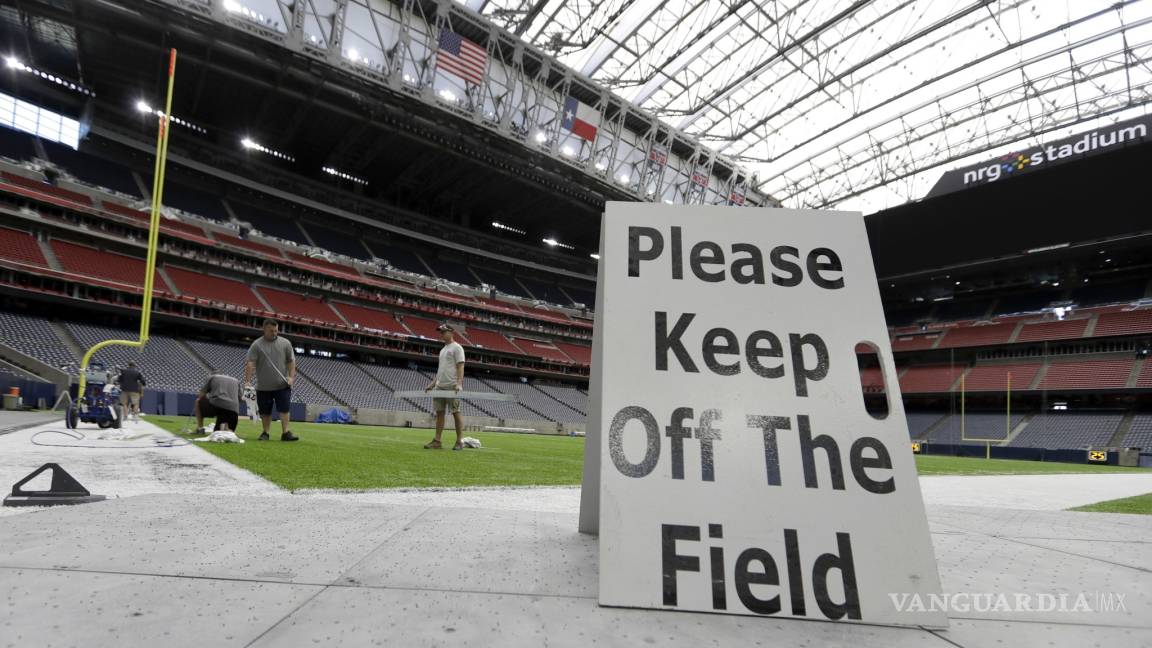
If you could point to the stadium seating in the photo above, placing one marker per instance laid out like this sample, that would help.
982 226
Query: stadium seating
545 350
921 422
570 396
1140 434
1095 293
453 271
952 311
1087 374
268 223
296 305
400 379
1133 322
337 377
164 363
323 264
536 400
491 340
1025 302
16 145
194 201
1145 378
398 257
1064 431
914 342
247 244
90 262
219 289
1055 330
231 358
337 242
978 335
579 353
872 380
93 170
35 337
929 378
977 426
370 318
995 377
45 188
504 283
423 327
542 290
586 296
528 400
21 247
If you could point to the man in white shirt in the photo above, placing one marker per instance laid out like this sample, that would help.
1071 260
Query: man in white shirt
449 376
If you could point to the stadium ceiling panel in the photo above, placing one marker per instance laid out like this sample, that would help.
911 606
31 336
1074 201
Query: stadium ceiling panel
858 105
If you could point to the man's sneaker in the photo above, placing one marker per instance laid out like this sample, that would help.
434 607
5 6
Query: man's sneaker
458 446
288 436
263 436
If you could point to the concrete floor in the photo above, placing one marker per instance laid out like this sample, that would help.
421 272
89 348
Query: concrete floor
486 567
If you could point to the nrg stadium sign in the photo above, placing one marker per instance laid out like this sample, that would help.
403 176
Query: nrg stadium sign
1069 149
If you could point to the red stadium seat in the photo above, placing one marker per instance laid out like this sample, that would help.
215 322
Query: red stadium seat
90 262
219 289
297 305
1087 374
370 318
22 247
1055 330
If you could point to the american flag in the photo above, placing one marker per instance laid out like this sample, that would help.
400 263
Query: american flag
461 57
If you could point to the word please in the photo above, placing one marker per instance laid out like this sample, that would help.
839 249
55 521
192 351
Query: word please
706 260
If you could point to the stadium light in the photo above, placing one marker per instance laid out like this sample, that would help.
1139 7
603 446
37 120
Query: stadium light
595 256
232 6
13 63
249 144
624 178
551 242
353 54
506 228
600 166
568 150
448 94
143 107
346 176
541 137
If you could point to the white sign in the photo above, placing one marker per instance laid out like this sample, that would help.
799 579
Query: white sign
731 465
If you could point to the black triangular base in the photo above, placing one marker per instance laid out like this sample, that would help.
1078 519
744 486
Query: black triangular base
64 490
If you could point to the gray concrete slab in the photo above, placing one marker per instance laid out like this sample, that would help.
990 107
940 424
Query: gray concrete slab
48 608
275 539
392 574
124 468
419 618
14 420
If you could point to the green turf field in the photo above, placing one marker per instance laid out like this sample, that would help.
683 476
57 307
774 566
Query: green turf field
944 465
1140 504
364 457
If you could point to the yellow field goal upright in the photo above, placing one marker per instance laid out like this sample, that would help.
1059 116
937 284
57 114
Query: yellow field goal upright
153 233
1007 417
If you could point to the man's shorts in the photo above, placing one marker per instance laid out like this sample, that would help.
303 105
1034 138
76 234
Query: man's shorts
282 398
130 397
222 416
442 404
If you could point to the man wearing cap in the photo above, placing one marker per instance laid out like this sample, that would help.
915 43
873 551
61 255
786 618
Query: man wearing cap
449 376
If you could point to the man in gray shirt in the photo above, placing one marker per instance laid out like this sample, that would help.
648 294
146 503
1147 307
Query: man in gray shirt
449 376
273 362
219 398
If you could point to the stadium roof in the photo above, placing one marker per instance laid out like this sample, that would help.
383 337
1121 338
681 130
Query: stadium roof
857 105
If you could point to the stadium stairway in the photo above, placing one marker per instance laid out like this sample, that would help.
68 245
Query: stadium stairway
558 400
1122 431
196 356
68 339
49 255
319 386
163 272
1137 369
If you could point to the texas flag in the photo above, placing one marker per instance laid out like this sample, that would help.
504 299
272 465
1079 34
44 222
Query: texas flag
581 119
